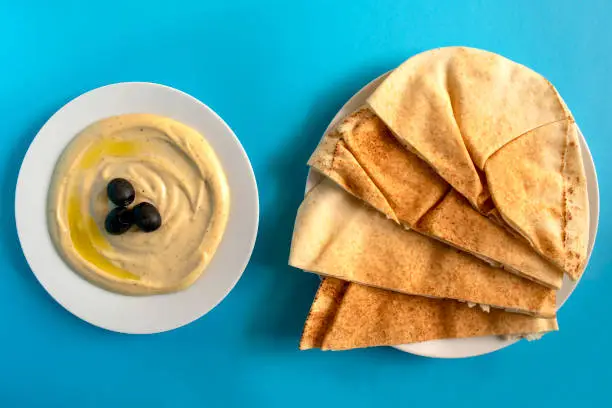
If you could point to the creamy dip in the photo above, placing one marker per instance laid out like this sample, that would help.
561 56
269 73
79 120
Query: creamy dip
170 166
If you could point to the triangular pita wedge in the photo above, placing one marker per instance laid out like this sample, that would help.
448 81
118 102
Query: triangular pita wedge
347 315
363 157
458 108
338 235
543 195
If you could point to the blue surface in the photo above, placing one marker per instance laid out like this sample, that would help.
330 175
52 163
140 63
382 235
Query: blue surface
277 72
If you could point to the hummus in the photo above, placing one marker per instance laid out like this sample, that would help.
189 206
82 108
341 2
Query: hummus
170 166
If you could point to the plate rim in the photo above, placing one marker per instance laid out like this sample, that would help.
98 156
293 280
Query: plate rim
594 208
231 144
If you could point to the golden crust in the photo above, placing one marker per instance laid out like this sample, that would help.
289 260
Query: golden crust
348 315
322 312
543 195
363 157
338 235
454 221
465 111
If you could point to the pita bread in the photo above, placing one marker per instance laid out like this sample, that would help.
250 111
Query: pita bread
347 315
455 222
543 196
338 235
322 312
459 107
362 154
363 157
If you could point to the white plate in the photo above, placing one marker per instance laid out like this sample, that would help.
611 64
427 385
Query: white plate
133 314
457 348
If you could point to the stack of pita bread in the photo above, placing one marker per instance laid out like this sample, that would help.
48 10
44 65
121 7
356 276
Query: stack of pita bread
451 206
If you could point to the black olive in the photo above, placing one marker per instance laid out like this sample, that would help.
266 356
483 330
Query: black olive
118 220
147 217
121 192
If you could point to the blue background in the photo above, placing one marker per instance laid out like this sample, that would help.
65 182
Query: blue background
277 72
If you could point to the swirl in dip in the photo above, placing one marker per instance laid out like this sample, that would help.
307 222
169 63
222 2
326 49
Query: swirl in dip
170 166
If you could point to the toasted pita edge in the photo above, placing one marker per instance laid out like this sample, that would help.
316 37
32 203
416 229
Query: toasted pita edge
333 159
322 312
358 311
577 215
569 253
546 312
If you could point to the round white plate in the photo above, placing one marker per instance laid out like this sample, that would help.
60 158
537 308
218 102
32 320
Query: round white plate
458 348
134 314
